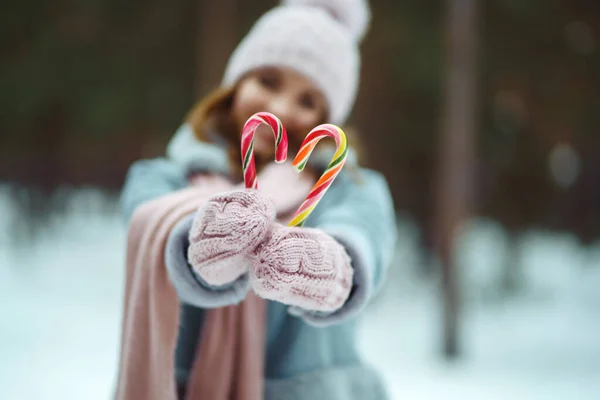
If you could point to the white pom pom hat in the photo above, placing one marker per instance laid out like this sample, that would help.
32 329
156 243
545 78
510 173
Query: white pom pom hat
318 38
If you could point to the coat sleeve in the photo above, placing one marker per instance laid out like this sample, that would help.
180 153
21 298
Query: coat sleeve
190 286
147 180
360 216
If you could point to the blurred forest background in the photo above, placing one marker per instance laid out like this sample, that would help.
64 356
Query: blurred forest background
90 86
482 108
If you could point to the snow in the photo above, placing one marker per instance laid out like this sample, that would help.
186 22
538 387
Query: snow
60 299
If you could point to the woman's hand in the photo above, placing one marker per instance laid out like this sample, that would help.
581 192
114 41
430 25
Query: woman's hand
303 268
236 233
225 231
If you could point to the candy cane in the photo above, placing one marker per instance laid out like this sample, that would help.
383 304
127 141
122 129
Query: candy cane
281 144
332 171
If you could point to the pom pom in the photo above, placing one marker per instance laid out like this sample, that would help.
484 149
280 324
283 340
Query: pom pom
355 15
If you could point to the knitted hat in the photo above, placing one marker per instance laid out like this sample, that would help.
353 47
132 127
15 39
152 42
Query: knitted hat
318 38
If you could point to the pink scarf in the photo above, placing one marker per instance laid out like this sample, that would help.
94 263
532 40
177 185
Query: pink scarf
230 358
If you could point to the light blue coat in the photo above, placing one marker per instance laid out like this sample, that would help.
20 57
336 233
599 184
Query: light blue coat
309 355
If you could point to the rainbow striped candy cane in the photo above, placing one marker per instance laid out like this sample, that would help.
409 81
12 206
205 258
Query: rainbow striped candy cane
333 169
281 144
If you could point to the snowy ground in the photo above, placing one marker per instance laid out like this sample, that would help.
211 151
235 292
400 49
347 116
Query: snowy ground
60 314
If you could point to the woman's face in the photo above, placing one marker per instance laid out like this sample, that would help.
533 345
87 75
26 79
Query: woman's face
287 94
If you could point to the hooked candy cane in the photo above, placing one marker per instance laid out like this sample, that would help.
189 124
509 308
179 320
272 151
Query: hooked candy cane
333 169
308 145
281 144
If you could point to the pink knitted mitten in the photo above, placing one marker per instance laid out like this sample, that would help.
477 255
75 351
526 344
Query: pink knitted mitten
301 267
225 231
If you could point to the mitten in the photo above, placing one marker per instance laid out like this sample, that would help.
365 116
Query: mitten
301 267
225 230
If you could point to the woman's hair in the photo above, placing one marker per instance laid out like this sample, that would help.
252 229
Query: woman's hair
213 114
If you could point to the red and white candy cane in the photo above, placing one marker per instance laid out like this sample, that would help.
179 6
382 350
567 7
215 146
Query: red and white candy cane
333 169
281 144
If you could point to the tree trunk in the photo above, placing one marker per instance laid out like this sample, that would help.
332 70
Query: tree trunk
454 179
511 278
217 38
